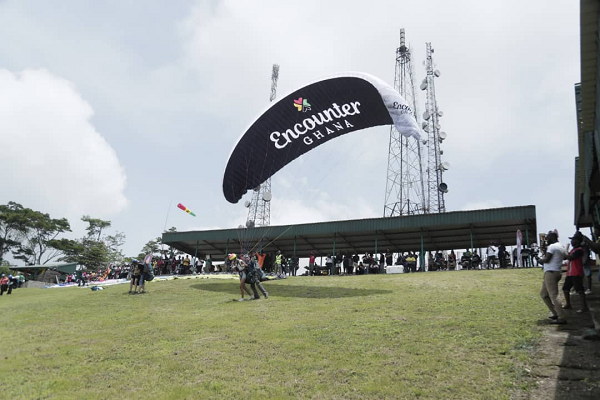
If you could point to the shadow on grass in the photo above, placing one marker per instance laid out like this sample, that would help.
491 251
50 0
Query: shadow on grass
307 292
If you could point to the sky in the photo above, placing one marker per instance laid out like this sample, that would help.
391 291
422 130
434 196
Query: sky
122 109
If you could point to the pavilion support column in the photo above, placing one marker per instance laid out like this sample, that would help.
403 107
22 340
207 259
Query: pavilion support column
422 252
376 255
294 245
332 272
471 235
196 254
529 256
296 261
226 249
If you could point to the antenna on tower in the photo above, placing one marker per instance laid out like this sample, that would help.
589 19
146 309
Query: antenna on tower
259 209
436 187
404 191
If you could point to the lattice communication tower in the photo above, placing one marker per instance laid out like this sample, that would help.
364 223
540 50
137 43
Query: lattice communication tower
435 186
404 191
259 208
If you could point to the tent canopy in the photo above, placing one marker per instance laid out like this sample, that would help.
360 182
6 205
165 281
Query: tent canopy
443 231
65 268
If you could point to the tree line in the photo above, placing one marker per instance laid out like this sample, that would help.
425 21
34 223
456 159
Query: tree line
36 238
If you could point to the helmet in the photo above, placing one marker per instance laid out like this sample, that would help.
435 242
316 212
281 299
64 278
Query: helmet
232 256
246 257
10 277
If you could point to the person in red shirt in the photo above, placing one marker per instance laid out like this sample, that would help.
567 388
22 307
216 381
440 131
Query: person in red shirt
3 284
311 264
575 273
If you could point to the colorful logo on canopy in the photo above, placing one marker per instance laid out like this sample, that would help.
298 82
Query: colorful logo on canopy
302 104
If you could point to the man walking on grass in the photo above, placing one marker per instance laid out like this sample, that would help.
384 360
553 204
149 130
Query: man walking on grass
552 262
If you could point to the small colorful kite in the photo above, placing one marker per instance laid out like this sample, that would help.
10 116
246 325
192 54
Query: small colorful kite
184 208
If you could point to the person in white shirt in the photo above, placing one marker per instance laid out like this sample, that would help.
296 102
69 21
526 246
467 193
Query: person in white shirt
492 256
552 262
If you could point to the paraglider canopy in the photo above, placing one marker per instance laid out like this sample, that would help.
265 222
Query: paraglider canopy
309 117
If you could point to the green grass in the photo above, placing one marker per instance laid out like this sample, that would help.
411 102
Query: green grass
442 335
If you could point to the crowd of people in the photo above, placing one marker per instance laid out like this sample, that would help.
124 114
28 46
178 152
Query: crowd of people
496 256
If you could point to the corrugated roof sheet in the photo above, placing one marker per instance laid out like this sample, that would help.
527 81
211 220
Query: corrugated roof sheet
451 230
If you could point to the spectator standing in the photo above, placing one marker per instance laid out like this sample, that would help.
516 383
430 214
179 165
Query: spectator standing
79 269
347 264
329 263
278 263
186 265
293 265
452 260
502 255
13 282
525 256
552 262
595 247
3 284
338 263
574 277
492 254
311 264
411 262
389 258
355 261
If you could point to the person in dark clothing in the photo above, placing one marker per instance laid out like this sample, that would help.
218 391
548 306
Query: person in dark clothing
293 265
347 263
13 282
502 255
355 261
389 258
360 270
249 273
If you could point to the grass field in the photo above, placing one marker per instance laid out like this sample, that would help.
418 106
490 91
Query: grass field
439 335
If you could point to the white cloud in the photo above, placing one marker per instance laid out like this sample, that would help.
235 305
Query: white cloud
56 160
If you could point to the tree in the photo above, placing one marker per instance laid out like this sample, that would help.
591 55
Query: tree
12 227
95 254
114 244
95 226
93 250
39 236
152 247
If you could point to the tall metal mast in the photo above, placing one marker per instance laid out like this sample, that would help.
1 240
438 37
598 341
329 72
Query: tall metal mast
435 185
404 191
259 209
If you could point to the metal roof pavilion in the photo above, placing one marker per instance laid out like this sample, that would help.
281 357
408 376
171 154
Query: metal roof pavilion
440 231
